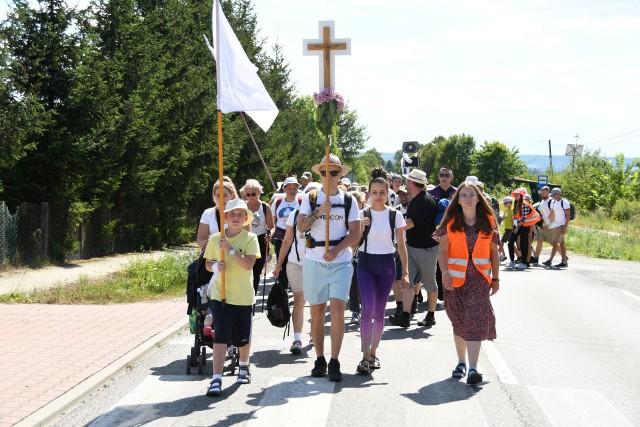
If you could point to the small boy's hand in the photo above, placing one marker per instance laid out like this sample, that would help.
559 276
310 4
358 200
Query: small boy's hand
224 245
221 266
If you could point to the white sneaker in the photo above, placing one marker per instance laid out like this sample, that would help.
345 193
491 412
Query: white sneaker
521 266
511 264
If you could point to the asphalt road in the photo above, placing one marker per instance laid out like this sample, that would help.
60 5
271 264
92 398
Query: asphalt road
567 353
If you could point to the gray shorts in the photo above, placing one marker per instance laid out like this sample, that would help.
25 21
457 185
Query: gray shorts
423 262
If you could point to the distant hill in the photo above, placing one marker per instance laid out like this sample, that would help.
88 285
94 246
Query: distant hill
536 164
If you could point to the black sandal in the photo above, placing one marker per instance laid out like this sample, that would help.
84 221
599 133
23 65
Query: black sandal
460 371
474 377
215 388
363 367
244 377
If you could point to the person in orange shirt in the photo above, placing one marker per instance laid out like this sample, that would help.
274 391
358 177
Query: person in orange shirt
469 260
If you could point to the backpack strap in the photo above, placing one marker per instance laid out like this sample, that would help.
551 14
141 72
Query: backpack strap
278 201
392 222
295 232
215 209
264 209
367 214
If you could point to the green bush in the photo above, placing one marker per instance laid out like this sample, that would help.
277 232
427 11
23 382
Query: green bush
626 210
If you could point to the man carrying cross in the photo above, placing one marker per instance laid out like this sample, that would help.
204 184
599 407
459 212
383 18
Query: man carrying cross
327 275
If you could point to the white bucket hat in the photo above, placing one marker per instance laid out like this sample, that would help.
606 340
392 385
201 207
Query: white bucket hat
418 176
234 204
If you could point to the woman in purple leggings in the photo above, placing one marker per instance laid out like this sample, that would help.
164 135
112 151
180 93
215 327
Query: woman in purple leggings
383 225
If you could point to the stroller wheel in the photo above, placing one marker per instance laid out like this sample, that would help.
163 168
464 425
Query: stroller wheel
195 354
188 365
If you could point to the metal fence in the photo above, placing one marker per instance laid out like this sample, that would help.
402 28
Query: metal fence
24 234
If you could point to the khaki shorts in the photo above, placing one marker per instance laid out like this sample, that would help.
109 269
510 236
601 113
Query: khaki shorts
549 235
559 237
294 274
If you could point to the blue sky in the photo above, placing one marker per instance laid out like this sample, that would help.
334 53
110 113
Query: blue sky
514 71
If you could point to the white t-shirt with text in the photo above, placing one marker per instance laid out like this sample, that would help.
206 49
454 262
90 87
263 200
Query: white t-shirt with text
337 226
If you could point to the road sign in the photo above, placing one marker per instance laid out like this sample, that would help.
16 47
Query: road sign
543 180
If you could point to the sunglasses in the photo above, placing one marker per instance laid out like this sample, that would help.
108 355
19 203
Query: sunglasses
251 194
332 173
444 175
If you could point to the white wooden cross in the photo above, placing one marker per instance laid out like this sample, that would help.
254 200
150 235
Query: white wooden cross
326 47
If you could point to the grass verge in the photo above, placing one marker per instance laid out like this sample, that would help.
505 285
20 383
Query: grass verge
596 235
140 281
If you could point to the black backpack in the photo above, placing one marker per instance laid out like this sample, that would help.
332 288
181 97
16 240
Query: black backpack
278 311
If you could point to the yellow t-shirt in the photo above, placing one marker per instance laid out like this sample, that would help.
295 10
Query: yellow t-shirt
238 281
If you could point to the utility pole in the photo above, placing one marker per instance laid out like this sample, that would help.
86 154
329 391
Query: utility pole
550 160
575 152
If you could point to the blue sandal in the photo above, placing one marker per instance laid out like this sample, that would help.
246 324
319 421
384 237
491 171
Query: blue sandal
460 371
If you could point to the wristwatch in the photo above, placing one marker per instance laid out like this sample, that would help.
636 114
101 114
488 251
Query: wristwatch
232 252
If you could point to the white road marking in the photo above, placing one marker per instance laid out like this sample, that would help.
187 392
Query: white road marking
499 364
629 294
288 399
140 406
572 407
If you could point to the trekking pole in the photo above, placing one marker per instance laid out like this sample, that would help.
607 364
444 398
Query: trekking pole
264 281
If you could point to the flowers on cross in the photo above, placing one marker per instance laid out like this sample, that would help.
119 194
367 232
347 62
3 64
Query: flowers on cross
328 102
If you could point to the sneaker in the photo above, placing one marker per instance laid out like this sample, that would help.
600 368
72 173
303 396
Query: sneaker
334 371
355 318
521 266
402 320
547 263
561 265
363 367
533 260
503 258
511 264
320 367
296 348
427 321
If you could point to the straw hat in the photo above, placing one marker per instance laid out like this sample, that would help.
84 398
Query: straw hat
333 160
416 175
234 204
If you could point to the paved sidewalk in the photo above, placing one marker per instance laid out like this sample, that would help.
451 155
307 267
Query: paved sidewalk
52 355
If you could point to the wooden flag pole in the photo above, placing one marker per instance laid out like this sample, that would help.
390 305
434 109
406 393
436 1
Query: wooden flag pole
221 203
326 193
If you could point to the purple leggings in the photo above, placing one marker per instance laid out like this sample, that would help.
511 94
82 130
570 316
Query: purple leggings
376 274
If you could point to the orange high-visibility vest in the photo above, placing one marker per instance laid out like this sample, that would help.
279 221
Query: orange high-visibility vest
459 254
530 220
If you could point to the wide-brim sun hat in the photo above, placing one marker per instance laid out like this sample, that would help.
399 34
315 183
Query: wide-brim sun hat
418 176
234 204
333 161
312 185
521 191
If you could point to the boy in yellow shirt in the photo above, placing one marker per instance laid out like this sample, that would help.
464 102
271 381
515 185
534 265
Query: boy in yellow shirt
233 319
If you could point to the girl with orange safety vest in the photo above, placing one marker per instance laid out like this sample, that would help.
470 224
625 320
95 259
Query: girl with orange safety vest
526 216
469 260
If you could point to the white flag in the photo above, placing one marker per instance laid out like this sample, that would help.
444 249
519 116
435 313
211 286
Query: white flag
239 87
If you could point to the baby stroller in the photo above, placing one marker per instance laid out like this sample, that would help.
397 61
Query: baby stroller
197 284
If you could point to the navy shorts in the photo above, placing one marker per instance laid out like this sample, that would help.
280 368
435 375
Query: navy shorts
232 323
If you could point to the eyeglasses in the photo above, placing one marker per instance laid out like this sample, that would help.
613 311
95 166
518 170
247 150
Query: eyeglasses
468 196
251 194
332 173
444 175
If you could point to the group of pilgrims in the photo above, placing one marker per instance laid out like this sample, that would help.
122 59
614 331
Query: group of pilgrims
396 235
